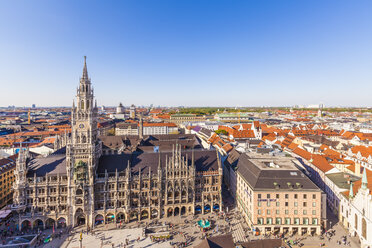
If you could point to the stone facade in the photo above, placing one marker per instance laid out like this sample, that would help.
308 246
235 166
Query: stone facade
81 185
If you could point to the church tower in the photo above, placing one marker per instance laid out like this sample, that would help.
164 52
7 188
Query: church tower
82 153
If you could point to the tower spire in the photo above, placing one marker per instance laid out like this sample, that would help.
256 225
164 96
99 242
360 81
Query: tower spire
351 192
85 70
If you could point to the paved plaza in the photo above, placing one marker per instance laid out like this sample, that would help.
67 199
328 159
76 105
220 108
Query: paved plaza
185 232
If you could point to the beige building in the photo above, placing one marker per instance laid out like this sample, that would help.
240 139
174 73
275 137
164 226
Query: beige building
274 196
181 118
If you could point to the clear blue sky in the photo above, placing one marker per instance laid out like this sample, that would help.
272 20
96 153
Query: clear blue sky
191 52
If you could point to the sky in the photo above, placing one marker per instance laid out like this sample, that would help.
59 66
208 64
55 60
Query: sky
187 52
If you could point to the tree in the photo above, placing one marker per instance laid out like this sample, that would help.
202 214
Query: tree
221 131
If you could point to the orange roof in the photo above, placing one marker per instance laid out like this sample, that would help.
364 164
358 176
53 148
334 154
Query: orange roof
302 153
292 146
321 162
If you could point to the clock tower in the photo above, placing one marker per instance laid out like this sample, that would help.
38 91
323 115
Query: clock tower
82 153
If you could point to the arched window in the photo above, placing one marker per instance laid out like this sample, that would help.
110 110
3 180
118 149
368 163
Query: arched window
84 139
82 104
364 228
356 222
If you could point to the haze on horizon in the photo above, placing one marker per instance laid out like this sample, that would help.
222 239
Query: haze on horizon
187 52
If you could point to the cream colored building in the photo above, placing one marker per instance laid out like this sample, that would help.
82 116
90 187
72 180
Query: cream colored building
275 197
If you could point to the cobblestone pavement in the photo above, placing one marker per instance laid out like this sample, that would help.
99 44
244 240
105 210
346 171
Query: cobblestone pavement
238 232
115 238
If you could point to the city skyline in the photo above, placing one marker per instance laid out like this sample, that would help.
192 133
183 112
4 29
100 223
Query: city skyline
188 53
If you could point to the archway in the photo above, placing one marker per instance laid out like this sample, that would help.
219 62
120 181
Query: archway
144 214
25 225
120 217
38 224
79 192
176 211
154 213
50 223
110 218
134 216
183 210
61 222
98 220
170 212
198 209
80 217
207 208
79 201
216 207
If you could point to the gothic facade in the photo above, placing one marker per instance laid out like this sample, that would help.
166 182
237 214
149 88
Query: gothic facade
85 183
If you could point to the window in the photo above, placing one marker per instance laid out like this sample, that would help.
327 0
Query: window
268 196
269 221
305 221
286 204
295 196
296 221
277 211
277 204
287 221
295 204
305 204
286 211
314 221
278 221
314 204
260 221
295 212
305 196
314 212
268 203
304 212
314 196
259 204
286 196
277 196
259 196
268 211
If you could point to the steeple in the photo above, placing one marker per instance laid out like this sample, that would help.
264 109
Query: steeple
85 70
351 192
364 179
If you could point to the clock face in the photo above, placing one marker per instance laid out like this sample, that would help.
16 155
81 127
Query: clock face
81 125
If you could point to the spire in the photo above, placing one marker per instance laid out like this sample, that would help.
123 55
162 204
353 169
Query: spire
351 192
364 179
85 70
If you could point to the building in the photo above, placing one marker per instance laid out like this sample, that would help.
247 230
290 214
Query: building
119 112
148 128
126 129
356 209
132 111
102 179
276 197
7 166
181 118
